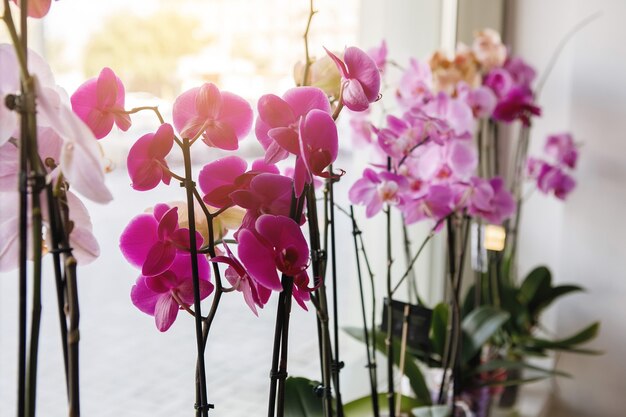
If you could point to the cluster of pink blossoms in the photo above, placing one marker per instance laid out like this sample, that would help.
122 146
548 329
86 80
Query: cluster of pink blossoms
298 125
553 177
432 155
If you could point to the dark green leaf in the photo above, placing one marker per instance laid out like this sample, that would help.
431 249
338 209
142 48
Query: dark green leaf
536 287
362 407
478 327
411 370
554 293
300 399
434 411
470 301
568 343
439 328
510 365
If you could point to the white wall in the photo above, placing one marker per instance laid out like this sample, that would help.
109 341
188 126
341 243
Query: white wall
582 240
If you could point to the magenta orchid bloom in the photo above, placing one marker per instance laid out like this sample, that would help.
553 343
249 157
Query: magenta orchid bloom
454 161
152 241
277 127
436 203
99 102
266 194
375 189
146 159
221 177
360 78
164 294
517 104
36 8
562 148
490 200
253 294
482 100
499 81
550 178
522 73
401 136
319 143
224 118
416 84
276 243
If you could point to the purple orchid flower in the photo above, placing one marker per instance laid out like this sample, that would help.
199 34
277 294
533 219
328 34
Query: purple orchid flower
360 78
164 294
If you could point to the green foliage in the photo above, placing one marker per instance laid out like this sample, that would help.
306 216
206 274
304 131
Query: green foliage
300 398
362 407
478 327
144 51
411 370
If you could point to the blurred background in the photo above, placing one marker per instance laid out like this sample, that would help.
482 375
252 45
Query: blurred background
160 48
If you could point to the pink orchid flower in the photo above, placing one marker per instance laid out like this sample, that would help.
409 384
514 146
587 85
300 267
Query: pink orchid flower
550 179
146 159
401 136
360 78
152 241
225 118
279 120
435 203
518 103
81 159
164 294
482 100
455 160
375 189
36 8
562 148
276 243
522 73
490 200
222 177
253 294
415 88
266 194
99 102
82 240
499 81
319 143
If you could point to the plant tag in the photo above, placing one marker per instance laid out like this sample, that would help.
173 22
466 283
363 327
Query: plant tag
418 326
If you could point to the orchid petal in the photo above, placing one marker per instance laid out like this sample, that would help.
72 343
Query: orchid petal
165 312
143 297
258 260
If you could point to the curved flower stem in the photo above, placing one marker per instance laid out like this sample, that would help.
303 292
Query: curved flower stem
307 64
404 158
155 109
199 133
201 406
389 340
416 256
371 362
333 258
318 264
172 173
